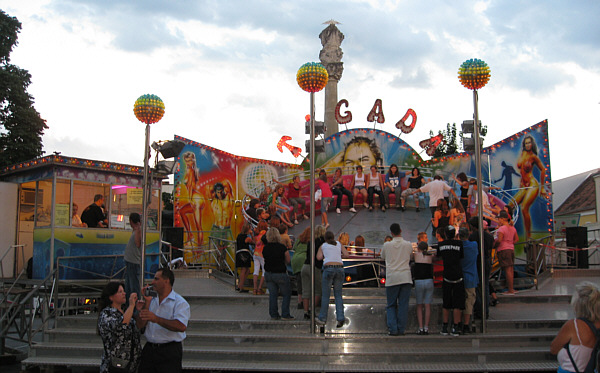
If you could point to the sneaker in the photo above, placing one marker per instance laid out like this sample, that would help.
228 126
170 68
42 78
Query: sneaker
426 331
306 316
418 209
352 209
466 330
366 205
403 208
320 322
276 318
421 332
340 323
393 334
383 208
455 332
305 217
288 318
371 208
338 211
444 330
296 221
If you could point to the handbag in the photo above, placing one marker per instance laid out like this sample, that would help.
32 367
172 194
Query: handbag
118 365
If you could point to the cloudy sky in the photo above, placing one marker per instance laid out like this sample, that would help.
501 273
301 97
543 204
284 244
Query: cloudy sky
226 70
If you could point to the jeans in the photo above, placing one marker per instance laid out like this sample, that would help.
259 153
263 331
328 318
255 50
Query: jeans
279 282
339 192
335 277
132 279
397 307
371 192
386 194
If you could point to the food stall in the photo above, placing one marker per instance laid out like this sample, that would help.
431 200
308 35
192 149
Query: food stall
53 191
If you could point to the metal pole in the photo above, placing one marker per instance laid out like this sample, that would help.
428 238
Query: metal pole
312 214
144 205
480 211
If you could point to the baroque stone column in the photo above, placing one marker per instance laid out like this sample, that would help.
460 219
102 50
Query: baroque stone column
331 58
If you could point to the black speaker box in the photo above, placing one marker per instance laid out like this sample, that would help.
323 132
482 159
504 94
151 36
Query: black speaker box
577 238
174 235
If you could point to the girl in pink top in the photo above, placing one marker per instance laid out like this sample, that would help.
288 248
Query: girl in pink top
326 197
506 238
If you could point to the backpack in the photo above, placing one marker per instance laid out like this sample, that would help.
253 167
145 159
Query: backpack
593 365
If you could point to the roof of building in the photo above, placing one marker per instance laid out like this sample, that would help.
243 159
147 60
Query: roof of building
563 188
575 194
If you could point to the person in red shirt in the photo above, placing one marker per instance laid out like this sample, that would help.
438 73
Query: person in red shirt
326 197
506 238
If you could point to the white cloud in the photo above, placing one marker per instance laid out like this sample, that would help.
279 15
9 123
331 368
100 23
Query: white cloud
226 70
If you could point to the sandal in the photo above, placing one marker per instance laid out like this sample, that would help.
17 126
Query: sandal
255 292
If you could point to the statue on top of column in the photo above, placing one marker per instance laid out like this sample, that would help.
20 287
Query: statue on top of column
331 54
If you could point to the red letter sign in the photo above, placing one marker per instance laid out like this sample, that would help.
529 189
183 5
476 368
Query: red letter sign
347 118
401 125
376 112
432 144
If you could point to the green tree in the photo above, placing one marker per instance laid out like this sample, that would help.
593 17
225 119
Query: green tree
449 146
21 127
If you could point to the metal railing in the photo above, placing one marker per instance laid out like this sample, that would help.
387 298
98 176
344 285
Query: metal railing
535 262
85 291
220 255
19 309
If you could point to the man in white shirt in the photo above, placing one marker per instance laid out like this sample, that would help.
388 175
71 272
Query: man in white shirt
436 190
398 281
165 318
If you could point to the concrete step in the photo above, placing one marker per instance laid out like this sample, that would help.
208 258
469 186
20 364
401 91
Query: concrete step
92 365
323 350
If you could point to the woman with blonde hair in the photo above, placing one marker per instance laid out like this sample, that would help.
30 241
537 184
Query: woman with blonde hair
576 339
277 257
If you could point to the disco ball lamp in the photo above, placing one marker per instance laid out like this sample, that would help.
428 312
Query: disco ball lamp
149 108
312 77
474 74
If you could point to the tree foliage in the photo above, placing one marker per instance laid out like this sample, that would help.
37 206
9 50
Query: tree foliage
450 145
21 127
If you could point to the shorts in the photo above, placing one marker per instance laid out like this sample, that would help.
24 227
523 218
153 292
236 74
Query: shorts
506 258
259 263
360 187
408 192
243 259
424 291
306 282
453 295
469 301
325 201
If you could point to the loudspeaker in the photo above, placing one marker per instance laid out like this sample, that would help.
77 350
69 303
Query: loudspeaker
577 238
174 235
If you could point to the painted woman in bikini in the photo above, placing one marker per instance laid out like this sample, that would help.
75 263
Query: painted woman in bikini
530 188
195 204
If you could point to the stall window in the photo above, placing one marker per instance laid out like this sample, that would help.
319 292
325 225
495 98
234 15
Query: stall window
62 210
125 200
43 203
84 192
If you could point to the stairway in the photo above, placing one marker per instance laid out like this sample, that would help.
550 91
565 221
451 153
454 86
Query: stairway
232 332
